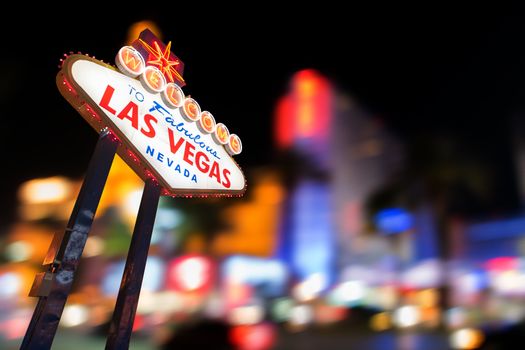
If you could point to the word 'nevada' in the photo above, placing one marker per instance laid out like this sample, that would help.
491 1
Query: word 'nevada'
130 62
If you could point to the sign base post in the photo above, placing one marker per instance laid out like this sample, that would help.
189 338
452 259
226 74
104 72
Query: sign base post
66 249
128 296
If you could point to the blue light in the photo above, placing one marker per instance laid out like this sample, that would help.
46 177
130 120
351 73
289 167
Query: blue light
393 220
268 276
312 237
152 281
111 281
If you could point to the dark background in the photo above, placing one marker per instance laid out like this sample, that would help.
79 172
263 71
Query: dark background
450 74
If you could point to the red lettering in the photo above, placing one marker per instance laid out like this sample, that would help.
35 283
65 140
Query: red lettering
203 166
215 172
149 119
226 183
104 103
134 117
188 152
174 147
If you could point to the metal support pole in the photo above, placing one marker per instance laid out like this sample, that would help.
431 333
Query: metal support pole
67 248
128 296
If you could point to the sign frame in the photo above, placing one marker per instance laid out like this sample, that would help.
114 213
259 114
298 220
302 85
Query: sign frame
96 117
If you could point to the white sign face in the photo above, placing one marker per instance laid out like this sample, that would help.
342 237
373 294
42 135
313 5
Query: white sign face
164 140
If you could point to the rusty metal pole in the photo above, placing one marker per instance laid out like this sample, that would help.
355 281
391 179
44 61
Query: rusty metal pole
128 296
67 247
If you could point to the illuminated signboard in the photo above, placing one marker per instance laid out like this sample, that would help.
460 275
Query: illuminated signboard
164 134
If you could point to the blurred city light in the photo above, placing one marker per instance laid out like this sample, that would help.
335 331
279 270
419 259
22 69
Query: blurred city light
123 191
281 309
428 297
426 274
456 317
301 316
246 315
111 279
393 220
327 314
190 273
348 293
166 221
253 225
154 274
131 204
15 326
310 288
51 197
74 315
11 284
18 251
254 337
407 316
48 190
381 322
385 297
136 28
94 247
166 302
269 275
466 339
303 116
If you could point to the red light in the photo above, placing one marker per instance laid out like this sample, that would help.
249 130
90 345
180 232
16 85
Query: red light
305 112
503 263
150 176
92 112
284 130
254 337
70 88
190 273
114 137
133 156
138 323
311 95
161 59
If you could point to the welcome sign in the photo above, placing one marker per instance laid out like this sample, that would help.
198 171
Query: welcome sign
164 134
141 112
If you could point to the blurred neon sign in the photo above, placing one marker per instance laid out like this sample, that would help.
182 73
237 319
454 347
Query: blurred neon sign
303 115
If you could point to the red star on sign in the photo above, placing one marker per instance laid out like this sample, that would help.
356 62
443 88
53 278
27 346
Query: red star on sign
159 55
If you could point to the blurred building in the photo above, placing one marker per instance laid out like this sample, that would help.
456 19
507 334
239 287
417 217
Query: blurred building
483 240
342 154
366 156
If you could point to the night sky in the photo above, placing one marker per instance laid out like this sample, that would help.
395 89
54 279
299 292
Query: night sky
436 70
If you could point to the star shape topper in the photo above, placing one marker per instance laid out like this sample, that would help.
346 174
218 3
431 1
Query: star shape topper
157 54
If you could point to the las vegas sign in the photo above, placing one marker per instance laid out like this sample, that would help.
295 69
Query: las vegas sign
163 134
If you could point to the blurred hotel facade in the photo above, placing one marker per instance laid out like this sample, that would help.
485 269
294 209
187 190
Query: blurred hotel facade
320 234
